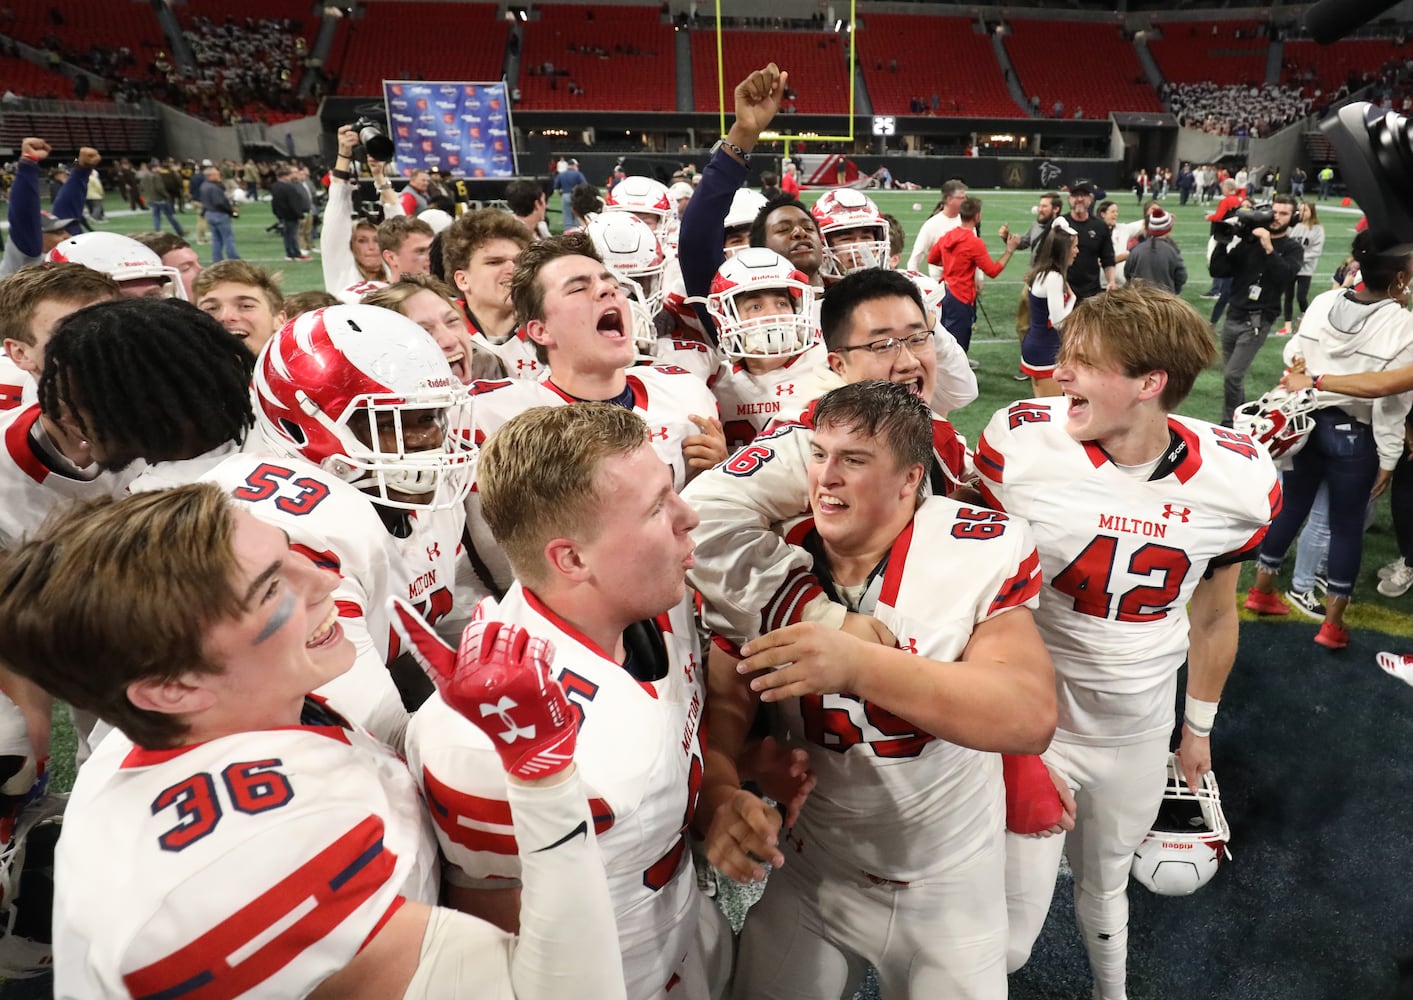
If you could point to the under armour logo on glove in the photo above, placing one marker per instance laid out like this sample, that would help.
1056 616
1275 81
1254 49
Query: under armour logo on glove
498 680
513 731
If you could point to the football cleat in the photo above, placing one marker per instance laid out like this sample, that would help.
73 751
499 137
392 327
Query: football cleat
499 680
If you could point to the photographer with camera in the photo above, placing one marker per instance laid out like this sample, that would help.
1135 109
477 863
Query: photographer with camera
1262 263
349 274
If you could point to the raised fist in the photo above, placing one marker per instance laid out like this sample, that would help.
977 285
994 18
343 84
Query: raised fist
35 149
500 682
88 157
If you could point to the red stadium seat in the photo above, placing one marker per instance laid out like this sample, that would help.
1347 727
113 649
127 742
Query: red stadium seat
1082 65
394 41
1196 52
630 63
816 61
936 55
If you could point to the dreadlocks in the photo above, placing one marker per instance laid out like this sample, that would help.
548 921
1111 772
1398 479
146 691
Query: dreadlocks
156 379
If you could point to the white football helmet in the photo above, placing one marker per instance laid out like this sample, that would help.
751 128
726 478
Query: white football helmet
633 252
336 369
120 257
1280 421
759 269
645 195
932 294
846 210
1188 840
745 206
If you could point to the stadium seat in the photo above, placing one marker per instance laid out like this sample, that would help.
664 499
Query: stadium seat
816 61
1201 51
390 42
630 63
1082 65
936 55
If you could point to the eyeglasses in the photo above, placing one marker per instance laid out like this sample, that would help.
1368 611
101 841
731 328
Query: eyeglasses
888 347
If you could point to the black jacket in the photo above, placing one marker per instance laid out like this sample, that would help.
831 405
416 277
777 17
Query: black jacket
288 201
1248 264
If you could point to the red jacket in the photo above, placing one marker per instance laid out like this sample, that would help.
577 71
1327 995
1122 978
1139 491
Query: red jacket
960 253
790 184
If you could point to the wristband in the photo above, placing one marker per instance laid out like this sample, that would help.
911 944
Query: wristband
723 144
1199 716
1319 380
343 175
31 157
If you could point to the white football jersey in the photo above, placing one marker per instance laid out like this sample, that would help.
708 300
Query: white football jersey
751 581
516 353
253 865
335 526
665 397
426 572
1122 555
29 489
749 403
17 386
638 756
697 357
893 800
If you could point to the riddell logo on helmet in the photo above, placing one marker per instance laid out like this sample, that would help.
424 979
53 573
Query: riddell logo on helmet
1181 846
440 383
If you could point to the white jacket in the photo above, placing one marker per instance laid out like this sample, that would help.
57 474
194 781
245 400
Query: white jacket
1340 335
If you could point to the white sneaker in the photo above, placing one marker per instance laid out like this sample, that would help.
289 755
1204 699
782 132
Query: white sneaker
1398 665
1387 571
1396 584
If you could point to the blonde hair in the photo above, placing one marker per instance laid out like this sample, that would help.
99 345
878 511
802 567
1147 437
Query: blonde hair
118 591
60 281
393 296
240 272
538 477
1140 328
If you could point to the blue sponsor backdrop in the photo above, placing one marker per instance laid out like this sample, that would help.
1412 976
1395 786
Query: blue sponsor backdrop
462 128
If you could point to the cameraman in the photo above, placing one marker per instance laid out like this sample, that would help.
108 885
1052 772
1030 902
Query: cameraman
1262 263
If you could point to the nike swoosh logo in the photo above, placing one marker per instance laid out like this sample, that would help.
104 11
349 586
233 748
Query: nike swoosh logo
582 830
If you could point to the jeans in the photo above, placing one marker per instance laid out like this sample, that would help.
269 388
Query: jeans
222 236
289 229
1242 336
1313 549
161 208
1222 288
1342 455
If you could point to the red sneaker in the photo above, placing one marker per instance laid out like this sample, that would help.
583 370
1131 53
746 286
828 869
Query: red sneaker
1332 636
1265 604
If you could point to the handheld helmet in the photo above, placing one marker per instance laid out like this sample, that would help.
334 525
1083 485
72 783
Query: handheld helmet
1279 421
1188 839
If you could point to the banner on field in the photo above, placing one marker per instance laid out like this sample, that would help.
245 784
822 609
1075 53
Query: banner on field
461 128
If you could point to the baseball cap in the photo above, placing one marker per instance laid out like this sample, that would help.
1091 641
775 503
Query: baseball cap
51 224
1081 188
1159 222
206 163
680 190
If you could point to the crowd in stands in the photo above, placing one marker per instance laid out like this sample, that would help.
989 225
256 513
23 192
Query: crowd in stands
1243 110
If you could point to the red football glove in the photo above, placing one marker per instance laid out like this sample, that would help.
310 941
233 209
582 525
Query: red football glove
1032 802
500 682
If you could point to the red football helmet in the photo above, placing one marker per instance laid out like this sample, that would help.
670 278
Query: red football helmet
322 383
855 233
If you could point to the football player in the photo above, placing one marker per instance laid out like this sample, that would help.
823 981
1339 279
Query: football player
898 855
854 231
1141 519
269 847
572 308
478 256
32 302
645 198
351 459
244 298
138 271
875 327
600 542
765 321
